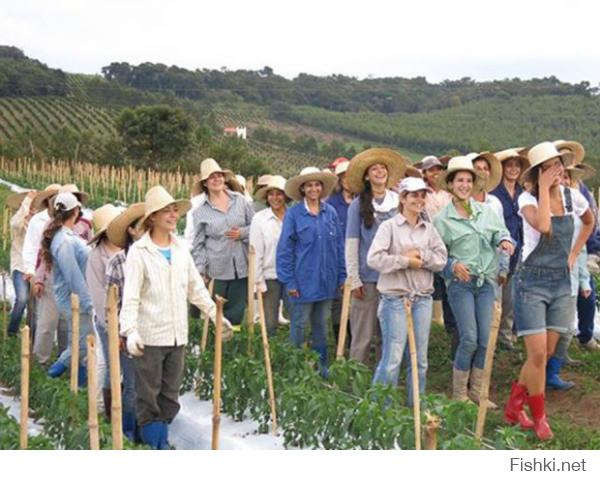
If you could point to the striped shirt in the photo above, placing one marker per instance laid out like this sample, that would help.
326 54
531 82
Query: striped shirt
156 293
214 254
116 276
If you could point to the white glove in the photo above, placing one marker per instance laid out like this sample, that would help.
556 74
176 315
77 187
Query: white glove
227 331
593 263
135 346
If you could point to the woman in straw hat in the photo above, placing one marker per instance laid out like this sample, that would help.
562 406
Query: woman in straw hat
406 251
371 174
220 247
265 231
472 233
310 257
122 231
66 255
490 170
542 285
20 202
161 278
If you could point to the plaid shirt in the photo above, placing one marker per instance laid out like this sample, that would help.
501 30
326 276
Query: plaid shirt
116 276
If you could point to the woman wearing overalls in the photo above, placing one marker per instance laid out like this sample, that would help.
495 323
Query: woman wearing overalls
543 302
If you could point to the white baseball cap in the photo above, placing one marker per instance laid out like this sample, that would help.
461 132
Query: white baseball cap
67 200
411 184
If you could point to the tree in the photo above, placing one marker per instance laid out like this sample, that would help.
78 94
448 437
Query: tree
154 136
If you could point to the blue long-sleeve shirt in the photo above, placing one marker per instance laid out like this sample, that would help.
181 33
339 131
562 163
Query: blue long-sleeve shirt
338 202
69 257
310 253
512 219
593 242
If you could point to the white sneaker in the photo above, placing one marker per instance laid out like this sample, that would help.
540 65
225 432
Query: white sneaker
592 345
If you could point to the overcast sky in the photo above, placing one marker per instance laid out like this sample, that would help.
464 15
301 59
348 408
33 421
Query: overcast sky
432 38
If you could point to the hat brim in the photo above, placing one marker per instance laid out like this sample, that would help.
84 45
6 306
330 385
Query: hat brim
478 180
582 172
117 229
230 182
412 171
495 172
42 197
261 194
292 186
567 159
183 206
15 200
395 163
575 148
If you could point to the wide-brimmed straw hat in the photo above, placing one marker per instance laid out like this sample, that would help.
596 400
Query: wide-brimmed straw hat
69 188
509 153
207 168
495 170
101 218
542 152
309 174
158 198
581 172
44 196
461 163
14 200
277 182
575 148
412 171
395 163
117 228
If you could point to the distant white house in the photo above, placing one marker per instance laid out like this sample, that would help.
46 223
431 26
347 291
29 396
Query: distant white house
240 132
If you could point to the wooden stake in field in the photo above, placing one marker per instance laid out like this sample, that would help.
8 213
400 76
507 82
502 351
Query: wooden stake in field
25 358
115 369
484 395
265 341
412 347
74 341
4 309
341 346
251 282
92 390
211 288
216 420
5 223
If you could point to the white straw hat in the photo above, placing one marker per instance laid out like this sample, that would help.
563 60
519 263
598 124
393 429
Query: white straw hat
117 228
575 148
308 174
542 152
158 198
495 169
102 217
276 182
460 163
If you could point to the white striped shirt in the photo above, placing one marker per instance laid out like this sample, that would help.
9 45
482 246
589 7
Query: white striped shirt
265 231
156 292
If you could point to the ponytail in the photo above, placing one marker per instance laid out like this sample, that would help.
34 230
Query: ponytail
366 210
60 217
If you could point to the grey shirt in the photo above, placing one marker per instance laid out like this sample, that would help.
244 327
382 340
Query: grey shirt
95 277
214 254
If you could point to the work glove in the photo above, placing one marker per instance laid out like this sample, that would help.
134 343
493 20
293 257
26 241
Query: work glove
135 346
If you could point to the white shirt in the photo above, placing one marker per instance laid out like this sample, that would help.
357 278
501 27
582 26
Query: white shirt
18 229
156 293
33 240
265 230
188 232
531 237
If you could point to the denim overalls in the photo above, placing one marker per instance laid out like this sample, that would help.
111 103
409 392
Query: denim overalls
542 283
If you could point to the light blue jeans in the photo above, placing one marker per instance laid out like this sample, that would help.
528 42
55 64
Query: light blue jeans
314 313
394 339
473 305
86 327
21 297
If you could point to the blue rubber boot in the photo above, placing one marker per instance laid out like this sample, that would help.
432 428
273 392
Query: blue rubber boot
164 437
82 376
57 369
553 380
129 425
153 435
322 351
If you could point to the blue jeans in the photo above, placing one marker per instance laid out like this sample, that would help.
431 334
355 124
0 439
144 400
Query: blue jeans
127 372
22 295
473 308
316 314
394 338
85 328
586 312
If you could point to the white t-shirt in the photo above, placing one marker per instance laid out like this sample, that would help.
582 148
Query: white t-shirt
531 237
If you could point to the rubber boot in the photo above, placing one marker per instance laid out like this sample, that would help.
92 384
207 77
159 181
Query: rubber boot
322 351
437 313
540 422
460 380
107 400
553 380
164 437
129 425
57 369
152 434
514 412
475 390
82 376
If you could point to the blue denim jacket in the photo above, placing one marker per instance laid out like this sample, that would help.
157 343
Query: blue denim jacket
341 208
69 257
512 219
310 253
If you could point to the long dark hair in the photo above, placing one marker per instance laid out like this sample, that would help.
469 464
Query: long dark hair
60 217
366 210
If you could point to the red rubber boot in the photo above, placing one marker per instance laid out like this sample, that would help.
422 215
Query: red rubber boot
514 412
541 425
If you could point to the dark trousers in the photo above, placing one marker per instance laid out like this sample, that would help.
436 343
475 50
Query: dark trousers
158 377
236 293
586 310
440 293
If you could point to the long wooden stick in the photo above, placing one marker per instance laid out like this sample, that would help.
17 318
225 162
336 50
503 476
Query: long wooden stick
265 340
25 358
74 341
412 346
4 309
211 288
251 282
92 391
115 369
484 395
216 419
341 346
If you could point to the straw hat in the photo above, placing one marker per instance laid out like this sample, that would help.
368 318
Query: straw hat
509 153
101 218
261 182
277 182
210 166
396 165
575 148
581 172
44 196
413 172
308 174
542 152
15 200
461 163
158 198
495 169
69 188
117 228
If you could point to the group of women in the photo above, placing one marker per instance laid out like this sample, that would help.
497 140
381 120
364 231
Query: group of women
473 232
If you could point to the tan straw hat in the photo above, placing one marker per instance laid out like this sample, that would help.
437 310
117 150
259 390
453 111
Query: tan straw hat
395 163
509 153
15 200
277 182
461 163
542 152
158 198
308 174
117 228
412 171
210 166
44 196
581 172
575 148
101 218
495 170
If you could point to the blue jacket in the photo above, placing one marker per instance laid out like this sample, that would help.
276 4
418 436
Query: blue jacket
512 219
69 260
310 253
593 242
341 208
